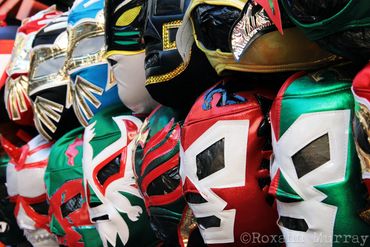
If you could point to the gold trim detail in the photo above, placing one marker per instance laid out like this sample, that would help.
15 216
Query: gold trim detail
166 77
167 44
16 97
45 111
363 116
39 56
143 133
85 90
187 225
78 33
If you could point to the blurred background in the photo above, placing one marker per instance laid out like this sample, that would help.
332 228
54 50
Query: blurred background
12 12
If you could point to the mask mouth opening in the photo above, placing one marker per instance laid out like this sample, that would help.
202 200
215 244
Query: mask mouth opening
101 218
194 198
293 224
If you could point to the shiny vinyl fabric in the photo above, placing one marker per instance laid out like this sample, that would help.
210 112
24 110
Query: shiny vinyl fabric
256 43
361 126
210 22
115 205
26 187
68 212
91 82
17 102
315 170
224 169
49 88
156 168
10 233
341 26
170 80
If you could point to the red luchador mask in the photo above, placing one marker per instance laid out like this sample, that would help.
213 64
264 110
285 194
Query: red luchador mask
224 164
26 187
361 128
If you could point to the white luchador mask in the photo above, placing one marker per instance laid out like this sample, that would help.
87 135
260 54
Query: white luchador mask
126 52
25 185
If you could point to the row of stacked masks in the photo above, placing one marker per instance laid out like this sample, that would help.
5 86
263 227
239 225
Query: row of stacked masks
178 123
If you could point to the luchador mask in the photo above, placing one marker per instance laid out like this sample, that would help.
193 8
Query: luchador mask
256 44
225 153
361 127
156 166
93 87
10 234
26 187
315 170
125 51
49 87
16 98
169 80
342 27
115 204
69 214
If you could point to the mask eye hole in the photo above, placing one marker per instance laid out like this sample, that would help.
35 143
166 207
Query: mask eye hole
88 46
41 207
111 168
49 67
165 183
211 160
71 205
312 156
